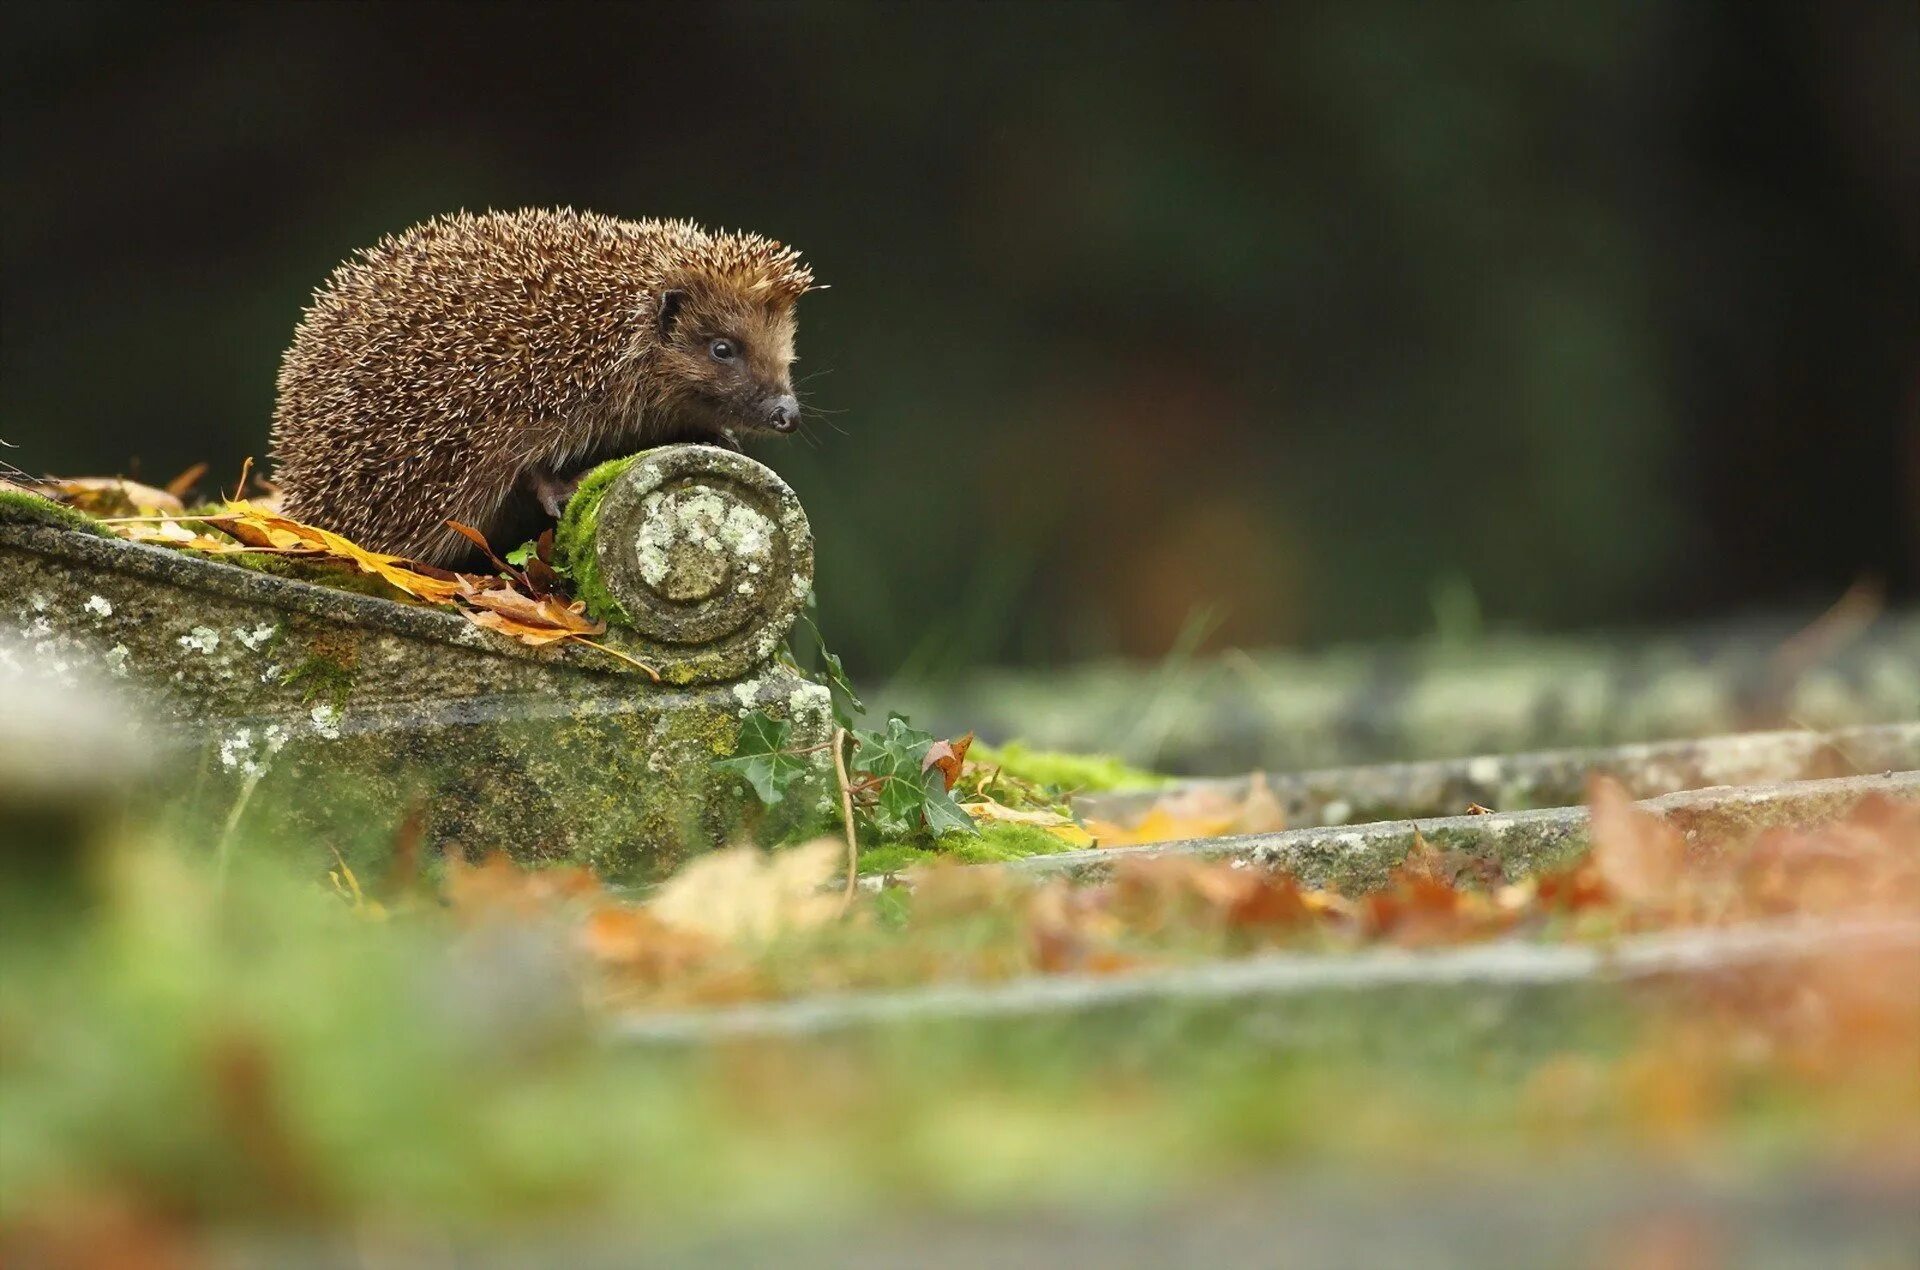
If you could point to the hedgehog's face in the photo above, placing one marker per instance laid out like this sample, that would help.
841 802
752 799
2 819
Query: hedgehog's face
725 362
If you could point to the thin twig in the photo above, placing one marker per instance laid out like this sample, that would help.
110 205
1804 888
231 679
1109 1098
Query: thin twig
846 815
224 852
614 652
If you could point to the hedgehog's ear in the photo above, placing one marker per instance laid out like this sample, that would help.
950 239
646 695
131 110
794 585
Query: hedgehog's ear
670 302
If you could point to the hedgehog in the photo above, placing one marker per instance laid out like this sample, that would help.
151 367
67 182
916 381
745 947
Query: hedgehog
472 368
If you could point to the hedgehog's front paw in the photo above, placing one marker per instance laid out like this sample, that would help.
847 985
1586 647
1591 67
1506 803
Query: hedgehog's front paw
552 491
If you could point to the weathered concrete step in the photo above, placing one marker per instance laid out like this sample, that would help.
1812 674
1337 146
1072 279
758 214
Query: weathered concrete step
322 715
1518 843
1546 778
1499 965
1282 711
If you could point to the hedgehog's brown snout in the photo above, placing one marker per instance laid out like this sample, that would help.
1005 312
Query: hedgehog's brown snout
783 414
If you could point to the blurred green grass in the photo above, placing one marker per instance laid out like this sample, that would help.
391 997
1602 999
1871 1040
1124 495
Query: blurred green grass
248 1050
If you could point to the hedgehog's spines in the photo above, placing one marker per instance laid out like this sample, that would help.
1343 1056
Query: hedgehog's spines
431 369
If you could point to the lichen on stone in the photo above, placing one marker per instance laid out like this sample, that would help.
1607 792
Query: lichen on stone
201 639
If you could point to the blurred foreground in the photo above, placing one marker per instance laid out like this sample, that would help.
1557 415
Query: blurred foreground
226 1051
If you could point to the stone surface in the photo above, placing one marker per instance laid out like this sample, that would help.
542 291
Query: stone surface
325 717
1547 778
1278 977
1509 844
1280 711
702 556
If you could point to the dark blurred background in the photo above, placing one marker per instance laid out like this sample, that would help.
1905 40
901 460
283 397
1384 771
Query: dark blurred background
1292 323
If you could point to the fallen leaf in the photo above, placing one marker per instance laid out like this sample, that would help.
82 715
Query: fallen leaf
250 522
1200 811
637 943
948 756
497 887
109 496
172 533
182 485
1637 854
1260 810
742 894
479 540
540 620
1053 822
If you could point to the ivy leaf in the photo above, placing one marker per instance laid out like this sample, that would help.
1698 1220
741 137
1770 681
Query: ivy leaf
760 754
528 550
847 705
894 757
911 789
943 814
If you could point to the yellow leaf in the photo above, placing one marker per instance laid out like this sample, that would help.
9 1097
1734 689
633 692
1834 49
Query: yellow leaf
115 496
1061 827
395 570
1200 811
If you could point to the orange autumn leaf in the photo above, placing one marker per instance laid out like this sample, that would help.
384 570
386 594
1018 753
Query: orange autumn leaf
1203 811
532 621
632 941
242 517
498 887
949 757
182 485
1637 854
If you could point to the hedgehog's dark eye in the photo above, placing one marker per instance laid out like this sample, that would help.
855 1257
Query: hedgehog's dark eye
723 350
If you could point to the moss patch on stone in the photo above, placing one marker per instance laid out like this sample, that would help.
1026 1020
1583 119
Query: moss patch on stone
573 542
326 573
321 681
33 509
1073 773
994 844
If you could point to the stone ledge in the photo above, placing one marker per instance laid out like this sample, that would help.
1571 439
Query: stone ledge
1496 965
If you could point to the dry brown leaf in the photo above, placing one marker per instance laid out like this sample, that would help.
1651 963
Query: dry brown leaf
250 521
531 621
182 485
949 757
114 496
532 636
744 894
498 887
1637 854
517 606
637 944
1260 811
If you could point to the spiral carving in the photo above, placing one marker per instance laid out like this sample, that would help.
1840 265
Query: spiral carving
708 556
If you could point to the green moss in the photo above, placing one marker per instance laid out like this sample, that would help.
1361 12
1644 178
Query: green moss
892 857
326 573
18 506
1079 773
994 844
321 680
573 552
